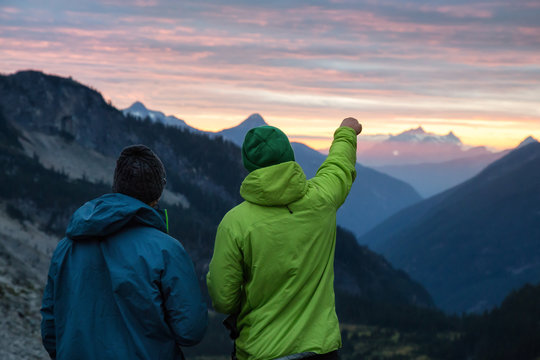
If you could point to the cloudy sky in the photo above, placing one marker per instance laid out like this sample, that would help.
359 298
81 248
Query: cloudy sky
472 67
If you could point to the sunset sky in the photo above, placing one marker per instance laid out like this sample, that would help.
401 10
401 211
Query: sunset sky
472 67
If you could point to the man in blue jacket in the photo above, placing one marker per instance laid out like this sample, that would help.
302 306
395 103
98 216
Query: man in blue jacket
118 286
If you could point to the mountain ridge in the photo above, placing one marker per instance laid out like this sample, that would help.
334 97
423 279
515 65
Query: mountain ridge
138 110
432 178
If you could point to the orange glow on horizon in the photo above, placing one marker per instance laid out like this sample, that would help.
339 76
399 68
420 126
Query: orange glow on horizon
319 131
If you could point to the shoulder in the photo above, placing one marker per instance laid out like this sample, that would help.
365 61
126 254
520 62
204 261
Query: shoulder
60 251
236 223
318 194
237 215
62 247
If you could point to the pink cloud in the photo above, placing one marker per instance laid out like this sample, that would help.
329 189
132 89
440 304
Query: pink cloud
481 11
10 10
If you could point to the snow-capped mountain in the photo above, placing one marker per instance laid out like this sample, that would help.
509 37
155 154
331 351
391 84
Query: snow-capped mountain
138 110
430 162
419 135
416 146
527 141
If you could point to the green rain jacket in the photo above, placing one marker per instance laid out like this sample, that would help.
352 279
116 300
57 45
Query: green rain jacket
273 262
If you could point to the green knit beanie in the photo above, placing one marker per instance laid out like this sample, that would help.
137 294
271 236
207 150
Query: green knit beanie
265 146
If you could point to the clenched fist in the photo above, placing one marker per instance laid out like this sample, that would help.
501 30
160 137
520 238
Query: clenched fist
352 123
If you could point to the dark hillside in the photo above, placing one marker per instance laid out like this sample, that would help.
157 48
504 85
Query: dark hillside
9 136
474 243
511 331
364 274
56 106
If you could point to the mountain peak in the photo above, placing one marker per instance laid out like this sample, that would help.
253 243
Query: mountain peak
527 141
237 133
254 120
137 106
452 138
418 131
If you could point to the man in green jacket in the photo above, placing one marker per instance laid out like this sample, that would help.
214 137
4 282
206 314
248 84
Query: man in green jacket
273 262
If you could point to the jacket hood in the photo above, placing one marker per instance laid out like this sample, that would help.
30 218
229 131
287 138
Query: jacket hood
110 213
274 185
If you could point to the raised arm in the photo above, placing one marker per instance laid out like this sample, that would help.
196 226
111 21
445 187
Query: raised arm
337 173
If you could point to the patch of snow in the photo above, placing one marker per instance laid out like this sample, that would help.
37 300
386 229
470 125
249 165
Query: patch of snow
419 135
527 141
139 111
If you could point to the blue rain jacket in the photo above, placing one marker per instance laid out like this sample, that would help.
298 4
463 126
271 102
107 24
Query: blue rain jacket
119 287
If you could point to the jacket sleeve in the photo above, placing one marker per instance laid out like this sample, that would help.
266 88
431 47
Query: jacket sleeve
48 328
185 310
337 172
225 276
